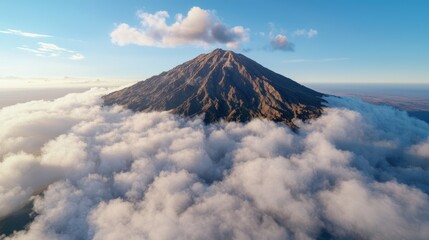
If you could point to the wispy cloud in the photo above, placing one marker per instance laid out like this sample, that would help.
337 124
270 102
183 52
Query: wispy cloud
77 56
35 51
200 27
52 50
316 60
306 33
50 47
24 34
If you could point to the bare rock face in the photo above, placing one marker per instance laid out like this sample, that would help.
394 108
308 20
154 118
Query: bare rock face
222 85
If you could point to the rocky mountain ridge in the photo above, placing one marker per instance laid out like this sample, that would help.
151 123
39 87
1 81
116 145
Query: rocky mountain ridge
222 85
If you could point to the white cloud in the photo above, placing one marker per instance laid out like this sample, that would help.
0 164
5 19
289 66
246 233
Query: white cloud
300 32
50 47
200 27
52 50
281 42
77 56
24 34
109 173
312 33
35 51
307 33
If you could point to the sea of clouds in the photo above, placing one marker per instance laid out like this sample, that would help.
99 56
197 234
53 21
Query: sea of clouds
358 172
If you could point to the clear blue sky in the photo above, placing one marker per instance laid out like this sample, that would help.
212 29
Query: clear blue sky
333 41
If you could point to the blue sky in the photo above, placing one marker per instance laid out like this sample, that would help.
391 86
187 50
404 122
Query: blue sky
316 41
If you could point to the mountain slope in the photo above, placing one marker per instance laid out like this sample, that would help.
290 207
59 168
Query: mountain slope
222 85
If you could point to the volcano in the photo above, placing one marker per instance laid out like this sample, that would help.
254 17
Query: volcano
222 85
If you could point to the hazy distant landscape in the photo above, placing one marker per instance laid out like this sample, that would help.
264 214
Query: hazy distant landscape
407 97
21 95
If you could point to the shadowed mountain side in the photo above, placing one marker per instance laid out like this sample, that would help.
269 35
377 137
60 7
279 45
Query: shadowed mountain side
222 85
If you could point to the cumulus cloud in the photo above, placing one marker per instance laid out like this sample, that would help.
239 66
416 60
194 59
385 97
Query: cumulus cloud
24 34
199 27
281 42
421 152
52 50
357 172
306 33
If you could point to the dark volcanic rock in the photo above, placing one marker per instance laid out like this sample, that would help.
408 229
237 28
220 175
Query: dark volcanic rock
222 85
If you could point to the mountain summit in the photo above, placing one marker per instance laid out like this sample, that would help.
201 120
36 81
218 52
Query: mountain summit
222 85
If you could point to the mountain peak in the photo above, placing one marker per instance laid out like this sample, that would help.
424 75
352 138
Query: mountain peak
221 51
222 85
219 55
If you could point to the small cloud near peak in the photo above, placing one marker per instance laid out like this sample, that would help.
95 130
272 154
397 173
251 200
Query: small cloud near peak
281 42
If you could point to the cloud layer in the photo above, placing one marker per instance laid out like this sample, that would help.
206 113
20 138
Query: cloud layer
359 171
200 27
